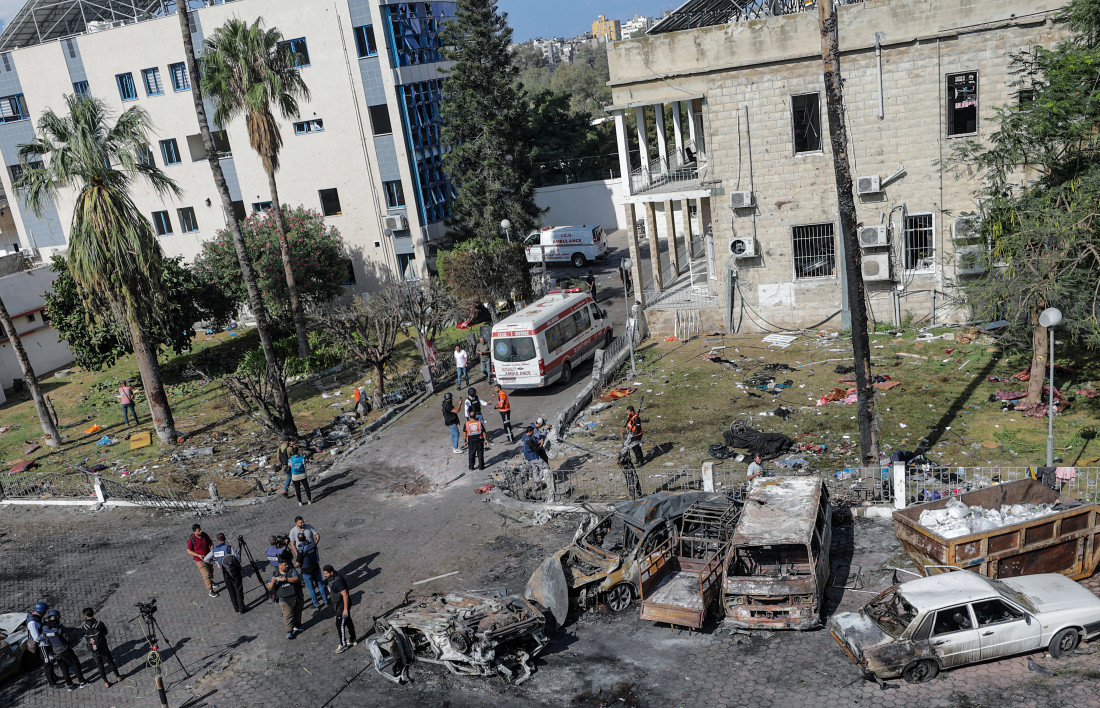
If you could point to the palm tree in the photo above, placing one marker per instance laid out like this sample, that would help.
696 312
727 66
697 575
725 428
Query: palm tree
248 70
112 249
49 429
283 418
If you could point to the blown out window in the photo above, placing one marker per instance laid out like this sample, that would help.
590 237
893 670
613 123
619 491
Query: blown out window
814 251
962 103
806 119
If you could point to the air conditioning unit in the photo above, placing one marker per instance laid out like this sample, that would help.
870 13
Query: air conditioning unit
966 228
872 236
743 247
742 200
868 185
395 222
971 260
876 266
29 252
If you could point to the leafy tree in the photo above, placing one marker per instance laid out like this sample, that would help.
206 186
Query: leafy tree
525 56
585 80
1040 185
316 255
567 142
368 328
254 384
488 158
112 251
486 270
49 427
97 339
250 71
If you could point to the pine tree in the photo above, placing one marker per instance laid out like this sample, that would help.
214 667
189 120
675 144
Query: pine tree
488 158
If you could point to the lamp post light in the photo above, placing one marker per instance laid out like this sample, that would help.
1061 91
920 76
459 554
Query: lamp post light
506 225
629 265
1050 318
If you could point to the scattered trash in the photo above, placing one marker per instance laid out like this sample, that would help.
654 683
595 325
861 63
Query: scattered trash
105 440
617 393
780 340
915 356
767 445
484 490
94 429
140 440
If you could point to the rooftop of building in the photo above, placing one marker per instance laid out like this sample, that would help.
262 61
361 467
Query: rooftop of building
707 13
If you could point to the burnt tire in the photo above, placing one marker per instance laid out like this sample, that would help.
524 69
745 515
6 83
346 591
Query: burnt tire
578 260
921 671
566 374
459 642
1064 642
618 598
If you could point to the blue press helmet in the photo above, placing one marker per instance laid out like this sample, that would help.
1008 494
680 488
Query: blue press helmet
52 613
40 607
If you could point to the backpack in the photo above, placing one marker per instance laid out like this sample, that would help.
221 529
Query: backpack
297 467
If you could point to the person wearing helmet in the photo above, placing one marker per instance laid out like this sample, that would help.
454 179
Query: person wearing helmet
38 641
54 634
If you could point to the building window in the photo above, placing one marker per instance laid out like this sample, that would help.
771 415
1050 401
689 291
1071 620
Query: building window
147 157
298 48
814 251
258 207
395 194
330 202
30 317
919 242
153 86
806 119
415 28
423 122
350 278
962 103
403 269
17 170
70 45
187 220
13 108
1025 96
380 119
162 223
181 80
309 126
126 88
364 41
6 58
238 210
170 151
80 88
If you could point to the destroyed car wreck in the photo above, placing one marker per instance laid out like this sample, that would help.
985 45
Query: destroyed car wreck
481 633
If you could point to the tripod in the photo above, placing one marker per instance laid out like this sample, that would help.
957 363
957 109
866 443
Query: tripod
252 561
150 628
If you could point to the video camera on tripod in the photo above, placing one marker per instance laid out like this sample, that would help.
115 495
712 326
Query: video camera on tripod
147 609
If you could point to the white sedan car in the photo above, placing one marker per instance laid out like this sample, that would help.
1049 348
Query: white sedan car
917 628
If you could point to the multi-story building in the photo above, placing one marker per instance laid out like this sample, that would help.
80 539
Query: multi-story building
553 50
737 98
606 30
636 24
21 289
365 150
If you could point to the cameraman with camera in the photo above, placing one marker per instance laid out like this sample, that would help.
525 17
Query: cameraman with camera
286 583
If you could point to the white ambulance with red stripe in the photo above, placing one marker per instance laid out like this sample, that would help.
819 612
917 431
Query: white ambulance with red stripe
547 340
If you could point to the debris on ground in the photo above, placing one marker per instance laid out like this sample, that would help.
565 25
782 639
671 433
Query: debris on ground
768 445
412 487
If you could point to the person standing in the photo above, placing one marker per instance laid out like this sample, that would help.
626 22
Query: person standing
450 419
590 281
341 603
297 466
633 439
95 634
286 583
287 449
756 468
126 398
198 545
62 650
531 446
504 407
461 358
484 355
38 641
475 442
300 526
542 430
310 566
471 407
229 561
624 278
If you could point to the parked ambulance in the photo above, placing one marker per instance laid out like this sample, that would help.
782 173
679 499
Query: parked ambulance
567 244
547 340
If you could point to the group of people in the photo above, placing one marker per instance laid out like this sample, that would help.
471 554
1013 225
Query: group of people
55 644
470 427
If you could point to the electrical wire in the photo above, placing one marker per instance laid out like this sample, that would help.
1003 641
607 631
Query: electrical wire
744 303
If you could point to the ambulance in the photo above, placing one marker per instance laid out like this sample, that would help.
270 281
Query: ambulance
577 245
547 340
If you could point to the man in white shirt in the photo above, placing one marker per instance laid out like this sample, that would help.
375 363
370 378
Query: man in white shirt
756 468
300 526
461 357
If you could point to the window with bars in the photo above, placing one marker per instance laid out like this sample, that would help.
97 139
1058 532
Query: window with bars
299 50
162 223
126 88
153 85
80 88
423 123
814 251
181 80
919 242
364 41
13 108
395 194
188 223
806 120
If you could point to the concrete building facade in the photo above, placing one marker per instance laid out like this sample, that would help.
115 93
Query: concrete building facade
746 153
606 30
365 150
21 290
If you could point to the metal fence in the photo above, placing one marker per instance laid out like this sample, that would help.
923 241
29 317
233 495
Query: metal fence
927 482
145 495
42 486
853 486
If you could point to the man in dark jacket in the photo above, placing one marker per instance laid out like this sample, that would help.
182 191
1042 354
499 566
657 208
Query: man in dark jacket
95 634
341 604
229 561
286 583
450 419
62 650
310 565
38 641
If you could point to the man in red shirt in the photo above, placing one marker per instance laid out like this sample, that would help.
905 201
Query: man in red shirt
198 545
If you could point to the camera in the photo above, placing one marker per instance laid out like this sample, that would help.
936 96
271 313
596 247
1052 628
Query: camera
283 541
147 608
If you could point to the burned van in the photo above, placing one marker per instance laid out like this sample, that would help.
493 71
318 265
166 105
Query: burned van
778 562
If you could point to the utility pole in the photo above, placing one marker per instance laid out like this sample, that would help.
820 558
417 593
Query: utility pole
853 258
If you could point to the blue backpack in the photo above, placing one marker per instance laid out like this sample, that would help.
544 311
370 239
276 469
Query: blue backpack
297 467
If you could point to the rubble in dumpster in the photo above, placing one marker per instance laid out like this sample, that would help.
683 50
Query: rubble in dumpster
481 633
957 519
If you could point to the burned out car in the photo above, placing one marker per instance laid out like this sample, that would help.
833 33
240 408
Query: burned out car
915 629
14 638
471 633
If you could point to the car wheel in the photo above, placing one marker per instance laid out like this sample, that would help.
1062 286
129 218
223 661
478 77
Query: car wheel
579 260
619 597
1064 642
920 671
566 374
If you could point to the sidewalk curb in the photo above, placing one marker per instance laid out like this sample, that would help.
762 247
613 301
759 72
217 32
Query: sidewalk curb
370 430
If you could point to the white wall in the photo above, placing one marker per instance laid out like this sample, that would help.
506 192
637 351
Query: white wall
583 203
22 294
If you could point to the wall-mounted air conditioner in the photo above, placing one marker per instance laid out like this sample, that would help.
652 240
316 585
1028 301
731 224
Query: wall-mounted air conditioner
872 236
743 247
876 266
868 185
971 260
966 228
395 222
742 200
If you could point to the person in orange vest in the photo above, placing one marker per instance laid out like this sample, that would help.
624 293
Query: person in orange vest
504 407
633 438
475 441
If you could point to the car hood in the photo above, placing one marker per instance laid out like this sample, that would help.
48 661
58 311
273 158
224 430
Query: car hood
858 631
1051 592
12 622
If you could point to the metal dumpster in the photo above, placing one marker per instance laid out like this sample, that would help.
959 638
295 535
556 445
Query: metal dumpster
1064 541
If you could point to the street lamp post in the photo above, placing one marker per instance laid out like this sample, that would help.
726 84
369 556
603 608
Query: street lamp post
1050 318
506 225
629 265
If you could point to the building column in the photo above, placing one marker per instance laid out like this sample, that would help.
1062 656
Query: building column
635 254
624 153
654 245
677 130
662 141
643 149
670 227
691 123
704 229
688 233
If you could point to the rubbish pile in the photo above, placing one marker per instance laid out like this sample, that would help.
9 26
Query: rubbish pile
767 445
957 519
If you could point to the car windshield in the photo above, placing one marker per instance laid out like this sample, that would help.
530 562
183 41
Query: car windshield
611 537
1014 595
781 560
512 349
891 612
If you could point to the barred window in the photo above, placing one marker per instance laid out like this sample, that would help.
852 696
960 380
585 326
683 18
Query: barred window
814 251
919 242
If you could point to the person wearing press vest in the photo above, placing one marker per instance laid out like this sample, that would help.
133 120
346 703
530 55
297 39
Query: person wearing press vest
286 583
229 561
95 634
504 407
198 545
38 641
61 651
341 604
475 442
450 419
310 565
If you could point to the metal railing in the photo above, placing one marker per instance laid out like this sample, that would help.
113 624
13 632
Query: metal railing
853 486
39 486
143 495
644 179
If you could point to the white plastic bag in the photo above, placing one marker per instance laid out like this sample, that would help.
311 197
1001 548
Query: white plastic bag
957 509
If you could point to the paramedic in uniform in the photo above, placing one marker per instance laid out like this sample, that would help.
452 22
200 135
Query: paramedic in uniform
504 407
475 441
633 430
